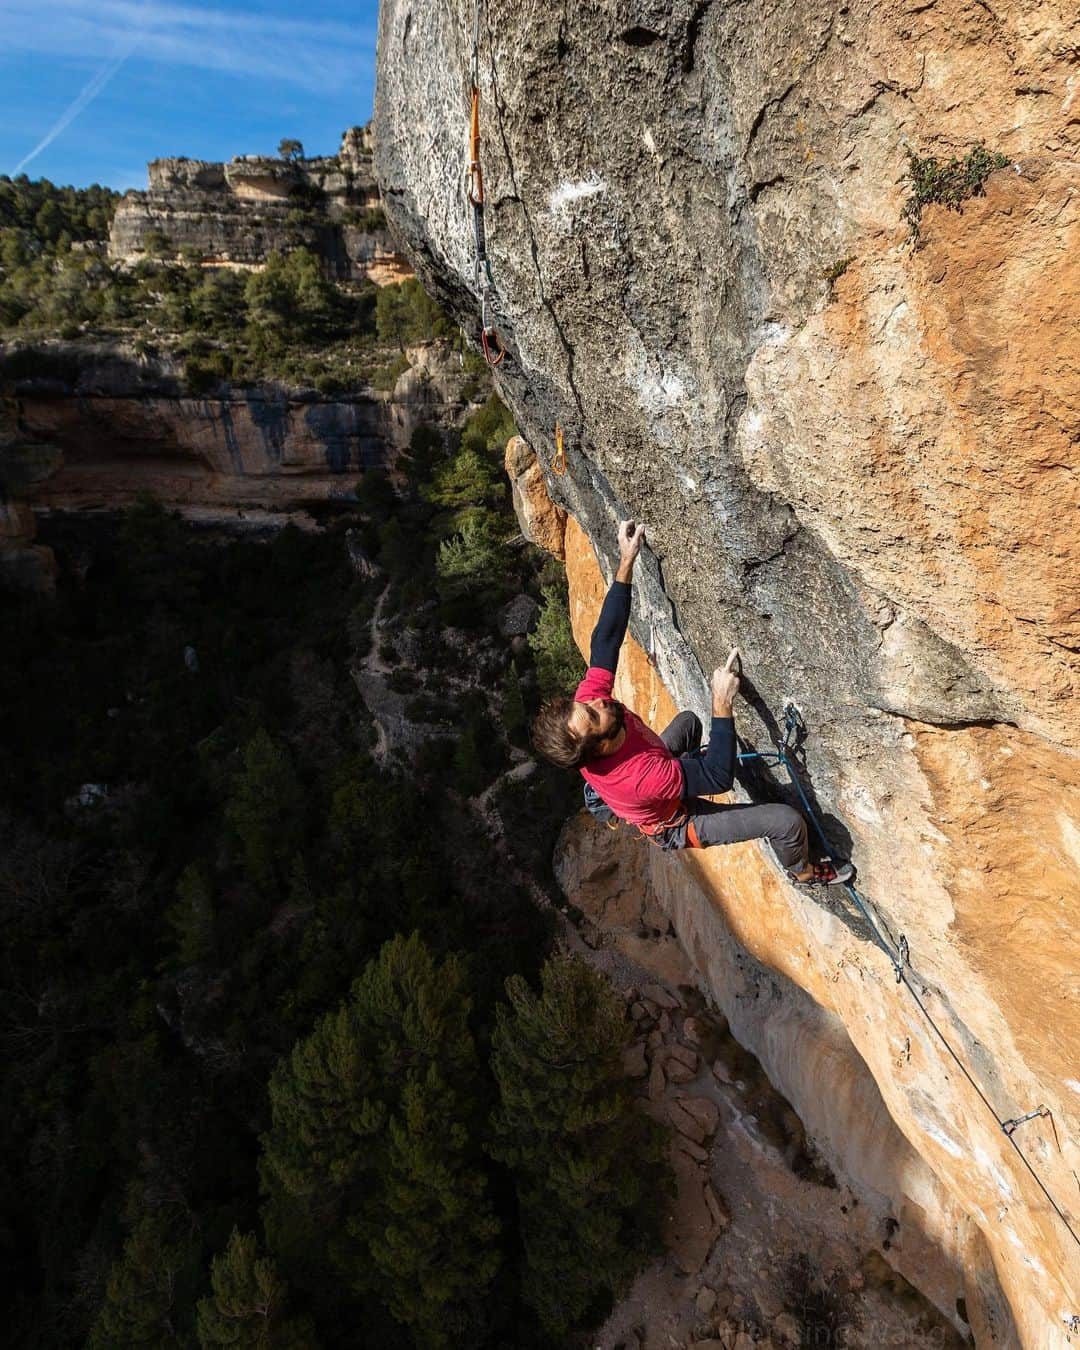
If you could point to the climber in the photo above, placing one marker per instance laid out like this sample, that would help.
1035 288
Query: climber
657 782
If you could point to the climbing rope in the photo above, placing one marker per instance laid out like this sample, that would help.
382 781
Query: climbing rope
787 749
490 342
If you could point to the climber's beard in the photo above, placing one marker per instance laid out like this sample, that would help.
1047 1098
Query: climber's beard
618 720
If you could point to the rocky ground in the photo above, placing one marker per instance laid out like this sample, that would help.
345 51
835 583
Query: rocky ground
765 1246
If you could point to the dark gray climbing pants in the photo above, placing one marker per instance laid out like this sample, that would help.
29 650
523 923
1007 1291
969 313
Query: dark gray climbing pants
733 822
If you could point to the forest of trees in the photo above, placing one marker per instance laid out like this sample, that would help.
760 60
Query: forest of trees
289 1058
285 322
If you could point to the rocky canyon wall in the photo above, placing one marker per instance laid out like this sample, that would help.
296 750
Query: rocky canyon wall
235 214
111 427
856 456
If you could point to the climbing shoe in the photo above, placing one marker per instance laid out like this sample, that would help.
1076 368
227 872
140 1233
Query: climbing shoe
827 873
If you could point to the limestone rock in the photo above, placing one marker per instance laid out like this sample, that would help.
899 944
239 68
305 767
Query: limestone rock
657 1081
541 520
665 954
236 214
518 616
662 997
717 1206
684 1121
685 1055
682 1063
110 426
634 1065
690 1227
787 1328
703 1110
857 459
705 1301
691 1149
721 1072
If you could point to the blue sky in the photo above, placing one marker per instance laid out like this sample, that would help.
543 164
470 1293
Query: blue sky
92 89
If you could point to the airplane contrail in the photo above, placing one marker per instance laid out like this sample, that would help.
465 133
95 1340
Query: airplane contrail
89 92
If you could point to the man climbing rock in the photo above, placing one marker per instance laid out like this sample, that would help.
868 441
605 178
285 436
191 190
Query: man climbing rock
657 782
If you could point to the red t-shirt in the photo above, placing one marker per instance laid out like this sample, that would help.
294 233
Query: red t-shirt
642 781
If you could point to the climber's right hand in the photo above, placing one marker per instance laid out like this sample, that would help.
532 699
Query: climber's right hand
631 537
725 685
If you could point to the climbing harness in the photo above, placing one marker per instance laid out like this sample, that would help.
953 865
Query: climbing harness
490 342
558 463
786 750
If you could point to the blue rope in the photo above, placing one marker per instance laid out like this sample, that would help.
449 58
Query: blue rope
793 725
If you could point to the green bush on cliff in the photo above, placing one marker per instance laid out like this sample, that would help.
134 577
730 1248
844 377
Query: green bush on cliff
949 183
405 313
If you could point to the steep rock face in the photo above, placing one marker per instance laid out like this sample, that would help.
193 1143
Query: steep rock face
856 458
236 214
540 519
805 989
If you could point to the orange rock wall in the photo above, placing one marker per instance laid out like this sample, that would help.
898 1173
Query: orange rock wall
979 866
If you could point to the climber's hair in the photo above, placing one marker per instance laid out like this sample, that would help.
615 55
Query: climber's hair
552 737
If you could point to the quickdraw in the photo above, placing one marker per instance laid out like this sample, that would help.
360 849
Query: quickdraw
490 342
558 463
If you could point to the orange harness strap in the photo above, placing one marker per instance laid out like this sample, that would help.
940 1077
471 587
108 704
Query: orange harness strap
678 817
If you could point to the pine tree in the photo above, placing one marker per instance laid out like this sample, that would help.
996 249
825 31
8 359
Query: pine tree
436 1250
587 1166
472 559
141 1294
371 1164
468 767
513 703
192 916
247 1306
559 666
265 808
469 479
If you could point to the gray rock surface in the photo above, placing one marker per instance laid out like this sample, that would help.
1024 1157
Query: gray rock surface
629 157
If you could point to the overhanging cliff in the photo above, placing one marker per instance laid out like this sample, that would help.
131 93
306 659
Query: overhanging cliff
856 458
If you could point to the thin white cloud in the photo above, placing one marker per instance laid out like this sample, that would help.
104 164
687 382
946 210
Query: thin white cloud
86 96
318 55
